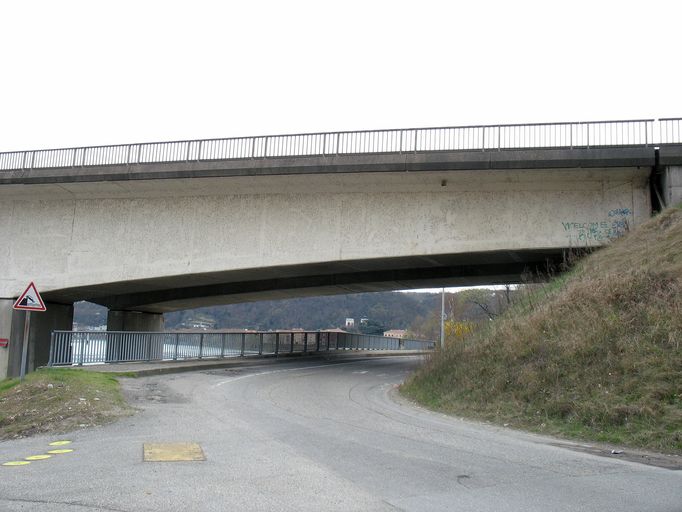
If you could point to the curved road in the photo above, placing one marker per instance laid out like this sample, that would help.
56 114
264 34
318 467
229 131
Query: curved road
311 435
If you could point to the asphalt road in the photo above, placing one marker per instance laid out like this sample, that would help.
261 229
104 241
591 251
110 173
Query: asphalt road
307 435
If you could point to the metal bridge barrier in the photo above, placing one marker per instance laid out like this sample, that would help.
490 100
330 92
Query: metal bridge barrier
76 348
569 135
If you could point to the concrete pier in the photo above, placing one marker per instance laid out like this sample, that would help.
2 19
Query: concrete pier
57 317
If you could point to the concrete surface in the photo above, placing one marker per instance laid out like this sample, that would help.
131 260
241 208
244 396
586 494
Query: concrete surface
56 317
308 436
672 185
155 246
134 321
143 369
539 158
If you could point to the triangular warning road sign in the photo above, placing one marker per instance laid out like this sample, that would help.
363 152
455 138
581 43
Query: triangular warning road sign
30 300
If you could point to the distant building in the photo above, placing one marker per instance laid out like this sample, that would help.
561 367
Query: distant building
395 333
200 324
350 323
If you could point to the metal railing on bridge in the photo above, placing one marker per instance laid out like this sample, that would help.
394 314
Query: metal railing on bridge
634 132
69 348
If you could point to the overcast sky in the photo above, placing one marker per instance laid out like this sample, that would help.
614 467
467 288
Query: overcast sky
77 73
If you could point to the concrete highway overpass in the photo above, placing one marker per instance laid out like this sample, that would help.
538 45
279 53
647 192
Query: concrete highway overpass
145 229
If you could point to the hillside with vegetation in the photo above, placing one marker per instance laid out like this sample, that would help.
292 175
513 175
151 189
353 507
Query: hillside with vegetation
594 354
417 312
390 309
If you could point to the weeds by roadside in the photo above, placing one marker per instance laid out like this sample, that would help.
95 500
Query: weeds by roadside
58 400
594 354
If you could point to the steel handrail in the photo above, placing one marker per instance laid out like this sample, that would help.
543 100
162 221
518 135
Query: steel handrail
69 348
628 132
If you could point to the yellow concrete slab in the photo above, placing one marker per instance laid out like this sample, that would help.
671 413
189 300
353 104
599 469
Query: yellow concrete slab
172 452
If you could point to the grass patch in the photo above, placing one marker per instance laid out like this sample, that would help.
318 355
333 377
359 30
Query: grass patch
8 384
59 401
595 355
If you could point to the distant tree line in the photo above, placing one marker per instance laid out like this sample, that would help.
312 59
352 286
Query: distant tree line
419 313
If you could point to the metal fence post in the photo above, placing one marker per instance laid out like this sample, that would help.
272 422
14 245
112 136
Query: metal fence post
260 344
276 343
149 347
570 135
291 337
317 341
82 355
305 342
243 343
175 353
50 361
201 345
222 348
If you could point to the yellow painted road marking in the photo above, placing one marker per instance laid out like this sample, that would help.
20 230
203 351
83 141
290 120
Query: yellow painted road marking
38 457
171 452
55 452
16 463
59 443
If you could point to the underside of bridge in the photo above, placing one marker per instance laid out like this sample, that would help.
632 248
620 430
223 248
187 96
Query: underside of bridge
139 305
162 295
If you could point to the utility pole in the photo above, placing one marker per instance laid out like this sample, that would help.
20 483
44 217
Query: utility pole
442 318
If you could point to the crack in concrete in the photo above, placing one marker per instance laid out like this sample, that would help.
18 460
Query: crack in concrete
67 503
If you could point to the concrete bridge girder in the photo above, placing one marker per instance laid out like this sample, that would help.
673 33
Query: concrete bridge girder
229 225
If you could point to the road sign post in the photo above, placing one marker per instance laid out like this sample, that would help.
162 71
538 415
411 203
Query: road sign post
28 301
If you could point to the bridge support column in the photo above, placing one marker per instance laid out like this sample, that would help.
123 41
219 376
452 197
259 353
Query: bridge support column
57 317
134 321
671 182
7 353
120 349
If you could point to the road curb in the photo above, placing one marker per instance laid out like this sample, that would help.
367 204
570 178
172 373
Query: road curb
164 368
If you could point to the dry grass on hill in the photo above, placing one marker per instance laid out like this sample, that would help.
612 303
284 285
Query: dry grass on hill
596 354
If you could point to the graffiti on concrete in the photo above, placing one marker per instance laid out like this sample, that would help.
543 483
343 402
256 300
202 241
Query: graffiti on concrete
620 212
599 231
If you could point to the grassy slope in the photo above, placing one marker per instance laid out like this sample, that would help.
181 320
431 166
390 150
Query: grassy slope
595 355
58 400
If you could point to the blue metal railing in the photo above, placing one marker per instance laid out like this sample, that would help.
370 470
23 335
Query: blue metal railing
636 132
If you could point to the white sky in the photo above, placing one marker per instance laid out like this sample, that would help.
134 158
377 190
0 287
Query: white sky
77 73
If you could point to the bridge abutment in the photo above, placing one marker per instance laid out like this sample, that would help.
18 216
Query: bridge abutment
671 182
8 353
57 317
